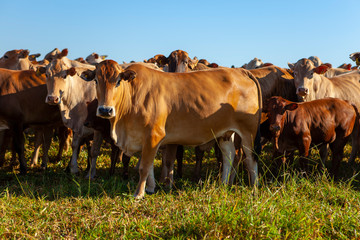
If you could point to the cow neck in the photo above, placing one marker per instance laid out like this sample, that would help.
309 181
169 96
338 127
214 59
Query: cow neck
320 82
73 104
123 95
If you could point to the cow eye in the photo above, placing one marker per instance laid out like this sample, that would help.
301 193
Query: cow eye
117 83
96 81
6 57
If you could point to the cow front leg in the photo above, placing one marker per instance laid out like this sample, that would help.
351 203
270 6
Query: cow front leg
47 137
73 165
146 169
95 151
18 143
37 143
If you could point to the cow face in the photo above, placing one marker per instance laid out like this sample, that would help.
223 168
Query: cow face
95 58
57 73
179 61
275 107
253 64
304 76
108 76
16 60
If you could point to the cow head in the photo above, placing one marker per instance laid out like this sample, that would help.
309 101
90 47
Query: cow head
275 107
316 60
253 64
57 73
304 76
16 60
179 61
108 76
355 57
51 55
95 58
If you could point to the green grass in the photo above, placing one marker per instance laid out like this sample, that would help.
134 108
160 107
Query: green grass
53 204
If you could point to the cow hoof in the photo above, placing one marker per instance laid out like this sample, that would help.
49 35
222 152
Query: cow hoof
149 192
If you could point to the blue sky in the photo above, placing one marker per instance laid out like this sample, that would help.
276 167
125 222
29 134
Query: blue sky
225 32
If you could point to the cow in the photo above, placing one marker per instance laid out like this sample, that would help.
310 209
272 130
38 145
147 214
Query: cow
19 60
149 108
67 91
355 57
321 122
22 106
310 85
16 60
101 128
253 64
316 60
95 58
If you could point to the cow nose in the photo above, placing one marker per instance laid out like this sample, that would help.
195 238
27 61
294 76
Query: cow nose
105 111
303 91
275 128
53 99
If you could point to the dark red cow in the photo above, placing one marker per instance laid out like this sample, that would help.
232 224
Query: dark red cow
324 121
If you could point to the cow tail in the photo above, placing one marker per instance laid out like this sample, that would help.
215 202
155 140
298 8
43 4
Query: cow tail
257 141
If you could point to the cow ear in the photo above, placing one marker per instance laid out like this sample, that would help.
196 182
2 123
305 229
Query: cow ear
96 56
40 70
291 106
291 66
321 69
71 71
103 57
24 53
88 75
128 75
63 53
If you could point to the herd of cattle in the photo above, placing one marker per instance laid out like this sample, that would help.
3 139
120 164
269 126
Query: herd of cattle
169 102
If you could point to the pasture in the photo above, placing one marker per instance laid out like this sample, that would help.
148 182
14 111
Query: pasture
287 205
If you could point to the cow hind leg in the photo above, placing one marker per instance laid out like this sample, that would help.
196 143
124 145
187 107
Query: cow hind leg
199 155
47 136
228 150
37 143
95 151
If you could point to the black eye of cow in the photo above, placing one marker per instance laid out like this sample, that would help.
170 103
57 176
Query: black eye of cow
6 57
117 83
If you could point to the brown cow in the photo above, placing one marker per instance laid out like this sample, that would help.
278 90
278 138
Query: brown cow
101 127
311 85
149 108
22 105
16 60
324 121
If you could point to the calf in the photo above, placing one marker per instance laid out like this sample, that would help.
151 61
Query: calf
324 121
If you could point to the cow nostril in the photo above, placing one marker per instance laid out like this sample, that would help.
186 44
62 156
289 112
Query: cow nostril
110 110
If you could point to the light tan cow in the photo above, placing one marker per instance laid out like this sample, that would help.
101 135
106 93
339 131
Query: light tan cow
311 84
253 64
95 58
67 90
149 108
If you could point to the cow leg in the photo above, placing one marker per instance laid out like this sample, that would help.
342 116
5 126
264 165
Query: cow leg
179 159
125 160
115 157
228 149
323 151
64 136
73 165
199 155
18 143
146 168
355 142
95 151
37 143
250 162
164 169
304 152
219 157
170 154
3 145
337 150
47 137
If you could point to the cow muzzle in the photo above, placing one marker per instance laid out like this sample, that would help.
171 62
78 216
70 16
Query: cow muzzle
302 92
105 112
53 100
274 128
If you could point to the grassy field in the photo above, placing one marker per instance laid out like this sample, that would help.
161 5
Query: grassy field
53 204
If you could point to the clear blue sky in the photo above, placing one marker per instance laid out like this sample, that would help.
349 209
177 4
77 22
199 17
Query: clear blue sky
225 32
